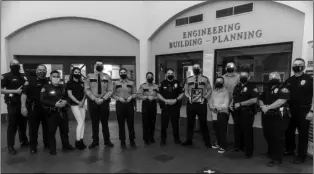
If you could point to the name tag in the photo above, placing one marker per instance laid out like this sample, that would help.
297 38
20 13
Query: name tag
191 83
92 80
118 86
202 83
105 80
129 86
146 90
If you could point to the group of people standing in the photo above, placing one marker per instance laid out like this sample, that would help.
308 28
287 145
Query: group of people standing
285 107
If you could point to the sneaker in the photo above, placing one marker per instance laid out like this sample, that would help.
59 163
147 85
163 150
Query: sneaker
221 150
215 146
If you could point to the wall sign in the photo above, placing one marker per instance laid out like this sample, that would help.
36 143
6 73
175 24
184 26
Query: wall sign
220 34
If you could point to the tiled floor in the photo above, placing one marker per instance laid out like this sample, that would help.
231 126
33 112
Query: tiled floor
144 159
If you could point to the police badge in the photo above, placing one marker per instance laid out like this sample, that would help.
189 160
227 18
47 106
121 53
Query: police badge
303 82
244 89
196 96
276 90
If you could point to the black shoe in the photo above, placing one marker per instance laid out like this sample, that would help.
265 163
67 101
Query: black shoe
152 141
109 144
147 142
177 141
298 160
274 163
78 145
12 151
237 149
187 143
132 143
24 144
83 144
287 153
93 145
248 156
53 153
33 151
68 148
46 146
162 143
208 146
265 155
123 144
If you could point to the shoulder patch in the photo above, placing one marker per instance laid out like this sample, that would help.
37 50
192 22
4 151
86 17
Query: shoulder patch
255 90
43 90
284 90
2 77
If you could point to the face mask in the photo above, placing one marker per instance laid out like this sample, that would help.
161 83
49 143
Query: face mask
170 77
55 80
298 69
123 76
274 82
15 68
196 71
78 76
99 68
243 79
219 85
230 70
41 74
150 80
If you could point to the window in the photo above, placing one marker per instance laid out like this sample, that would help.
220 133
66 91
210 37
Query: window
224 12
196 18
243 8
182 21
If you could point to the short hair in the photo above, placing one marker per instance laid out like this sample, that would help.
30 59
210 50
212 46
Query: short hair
300 60
55 71
149 73
220 77
123 69
169 69
42 65
275 74
197 64
98 61
245 68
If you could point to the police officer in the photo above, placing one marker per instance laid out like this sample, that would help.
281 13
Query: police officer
32 107
244 106
197 89
148 94
53 97
300 86
170 93
125 95
273 102
11 85
98 88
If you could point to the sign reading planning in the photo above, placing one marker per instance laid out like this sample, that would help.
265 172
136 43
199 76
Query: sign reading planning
220 34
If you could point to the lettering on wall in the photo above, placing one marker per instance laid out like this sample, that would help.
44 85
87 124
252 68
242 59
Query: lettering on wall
220 34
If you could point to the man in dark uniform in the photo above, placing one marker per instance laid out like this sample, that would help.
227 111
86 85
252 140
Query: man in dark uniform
98 88
32 107
11 85
275 119
170 93
197 89
148 94
244 106
53 97
301 88
125 95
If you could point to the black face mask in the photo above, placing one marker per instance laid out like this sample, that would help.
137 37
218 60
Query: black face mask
273 82
230 70
15 68
78 76
298 69
243 79
41 74
99 68
219 85
196 71
123 76
170 77
150 80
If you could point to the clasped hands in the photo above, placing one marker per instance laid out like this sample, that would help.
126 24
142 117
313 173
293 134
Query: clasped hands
122 100
61 103
170 101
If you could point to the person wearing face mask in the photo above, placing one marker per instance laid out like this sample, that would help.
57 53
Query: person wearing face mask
98 89
148 94
170 94
300 86
273 102
75 90
243 106
54 99
12 84
197 89
125 95
219 105
32 107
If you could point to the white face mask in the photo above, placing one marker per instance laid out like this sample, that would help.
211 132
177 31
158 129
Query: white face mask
55 80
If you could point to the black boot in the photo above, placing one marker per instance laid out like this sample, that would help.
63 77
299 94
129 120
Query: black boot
123 144
93 145
82 143
132 143
12 151
78 145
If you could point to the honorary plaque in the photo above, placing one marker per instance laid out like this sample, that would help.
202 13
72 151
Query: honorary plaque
196 95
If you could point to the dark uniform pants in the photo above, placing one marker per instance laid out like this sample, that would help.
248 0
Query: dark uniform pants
274 127
238 134
299 122
37 116
149 111
54 120
16 121
201 111
246 120
220 126
125 112
167 112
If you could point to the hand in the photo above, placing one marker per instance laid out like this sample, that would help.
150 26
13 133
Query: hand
81 104
121 100
231 107
64 103
237 105
309 116
150 98
190 100
99 101
168 102
129 99
24 111
202 100
196 99
19 90
58 104
264 108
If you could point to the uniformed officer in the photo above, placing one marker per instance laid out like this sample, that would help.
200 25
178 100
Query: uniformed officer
32 107
170 94
301 90
275 119
244 107
197 89
148 94
11 85
98 88
125 95
53 97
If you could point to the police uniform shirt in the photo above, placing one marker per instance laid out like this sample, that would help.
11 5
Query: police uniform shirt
271 95
50 94
147 89
301 89
91 85
197 82
230 81
170 90
123 89
12 81
77 88
32 90
245 92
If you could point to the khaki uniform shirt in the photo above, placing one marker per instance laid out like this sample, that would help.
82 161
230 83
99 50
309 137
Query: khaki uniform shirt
147 89
123 89
91 86
230 81
200 82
